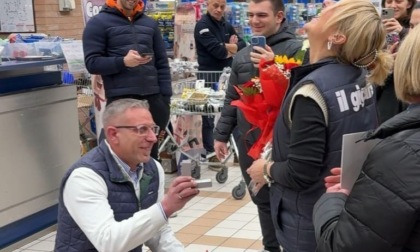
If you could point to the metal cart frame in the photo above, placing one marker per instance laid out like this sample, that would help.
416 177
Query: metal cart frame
203 107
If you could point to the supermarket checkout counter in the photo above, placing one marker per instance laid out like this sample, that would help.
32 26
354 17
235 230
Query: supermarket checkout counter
39 141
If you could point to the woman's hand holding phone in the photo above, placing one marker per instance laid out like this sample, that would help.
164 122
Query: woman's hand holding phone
392 25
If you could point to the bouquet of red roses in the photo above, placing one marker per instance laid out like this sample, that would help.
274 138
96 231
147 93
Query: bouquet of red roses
261 98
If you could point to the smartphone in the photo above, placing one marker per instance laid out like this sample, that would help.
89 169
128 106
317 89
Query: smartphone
147 55
387 13
258 41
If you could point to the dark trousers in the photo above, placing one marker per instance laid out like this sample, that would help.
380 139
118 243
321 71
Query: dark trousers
262 200
159 109
210 79
207 133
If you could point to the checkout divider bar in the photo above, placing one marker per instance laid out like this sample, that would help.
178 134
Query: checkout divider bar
28 226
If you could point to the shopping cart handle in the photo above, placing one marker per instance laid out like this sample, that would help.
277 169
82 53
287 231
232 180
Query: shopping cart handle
191 141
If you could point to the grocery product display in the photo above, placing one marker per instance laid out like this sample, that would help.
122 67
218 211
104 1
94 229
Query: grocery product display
164 14
299 13
236 14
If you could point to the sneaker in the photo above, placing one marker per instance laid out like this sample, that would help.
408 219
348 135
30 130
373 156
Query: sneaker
214 167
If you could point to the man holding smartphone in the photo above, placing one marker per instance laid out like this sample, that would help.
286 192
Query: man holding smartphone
216 41
125 47
267 19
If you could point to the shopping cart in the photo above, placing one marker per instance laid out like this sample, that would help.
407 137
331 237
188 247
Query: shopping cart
195 96
86 114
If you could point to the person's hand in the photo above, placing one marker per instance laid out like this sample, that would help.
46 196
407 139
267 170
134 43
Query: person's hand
233 39
256 173
181 190
259 53
221 149
133 59
334 178
393 49
337 188
392 25
144 60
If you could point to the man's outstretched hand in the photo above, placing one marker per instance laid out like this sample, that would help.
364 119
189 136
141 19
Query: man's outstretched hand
181 190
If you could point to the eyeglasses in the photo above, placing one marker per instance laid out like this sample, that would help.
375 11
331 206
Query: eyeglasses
142 130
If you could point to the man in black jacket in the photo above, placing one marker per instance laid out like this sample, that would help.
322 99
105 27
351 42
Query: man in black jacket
216 42
266 18
125 47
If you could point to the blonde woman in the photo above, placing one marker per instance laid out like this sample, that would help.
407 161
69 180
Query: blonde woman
382 212
331 96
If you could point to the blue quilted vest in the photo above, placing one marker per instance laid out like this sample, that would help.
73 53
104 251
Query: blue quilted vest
121 196
351 108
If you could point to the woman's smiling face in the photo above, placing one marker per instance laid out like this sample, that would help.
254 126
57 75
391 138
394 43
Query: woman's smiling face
400 7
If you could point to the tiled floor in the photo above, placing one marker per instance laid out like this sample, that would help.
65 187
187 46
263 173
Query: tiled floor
212 221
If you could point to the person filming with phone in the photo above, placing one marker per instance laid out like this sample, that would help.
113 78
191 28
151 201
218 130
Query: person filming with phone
125 47
396 16
396 20
268 22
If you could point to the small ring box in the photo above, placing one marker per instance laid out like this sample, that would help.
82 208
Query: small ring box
202 183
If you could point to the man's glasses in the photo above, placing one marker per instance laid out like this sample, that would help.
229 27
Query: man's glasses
142 130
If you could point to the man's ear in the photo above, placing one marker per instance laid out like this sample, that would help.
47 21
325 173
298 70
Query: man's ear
337 39
279 17
111 134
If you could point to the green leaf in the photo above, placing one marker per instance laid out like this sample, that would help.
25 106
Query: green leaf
248 91
300 55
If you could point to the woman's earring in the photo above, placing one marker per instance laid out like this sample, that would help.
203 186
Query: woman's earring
329 45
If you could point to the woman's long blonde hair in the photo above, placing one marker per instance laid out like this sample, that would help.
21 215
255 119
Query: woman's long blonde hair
360 22
407 67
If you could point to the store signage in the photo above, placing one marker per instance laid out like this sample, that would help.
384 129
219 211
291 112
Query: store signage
90 8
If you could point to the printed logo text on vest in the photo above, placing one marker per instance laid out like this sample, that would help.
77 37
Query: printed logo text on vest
357 98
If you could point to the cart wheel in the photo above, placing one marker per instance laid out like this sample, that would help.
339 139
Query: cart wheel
238 192
196 170
222 175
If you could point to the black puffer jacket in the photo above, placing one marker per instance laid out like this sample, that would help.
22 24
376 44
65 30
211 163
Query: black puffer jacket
382 212
109 36
283 42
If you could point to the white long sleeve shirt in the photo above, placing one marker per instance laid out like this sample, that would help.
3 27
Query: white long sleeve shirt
85 197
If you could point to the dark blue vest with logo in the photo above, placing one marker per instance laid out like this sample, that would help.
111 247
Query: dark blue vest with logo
351 108
121 196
